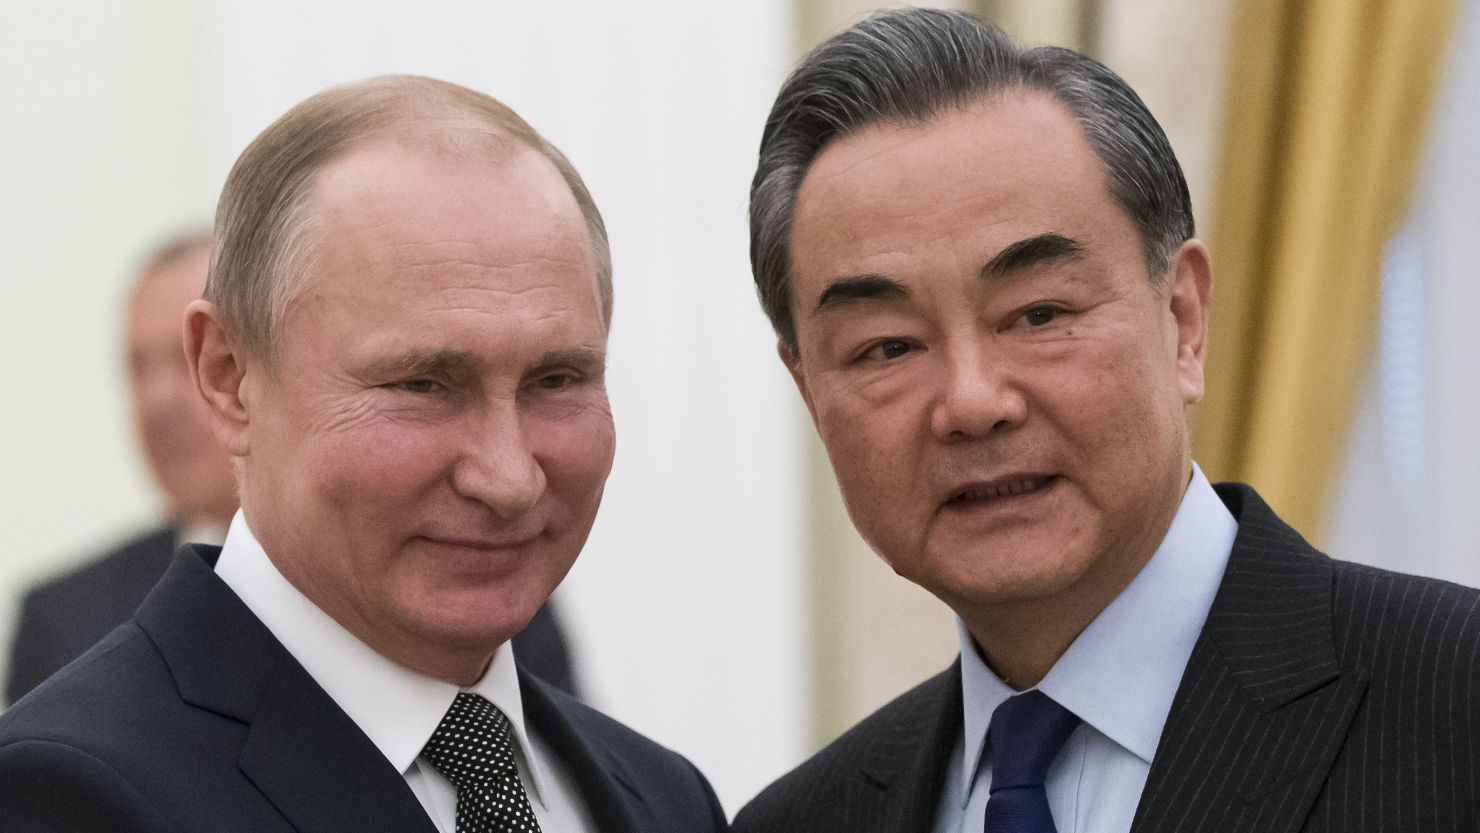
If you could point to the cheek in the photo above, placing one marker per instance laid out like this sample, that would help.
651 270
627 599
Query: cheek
874 452
576 454
365 470
1122 417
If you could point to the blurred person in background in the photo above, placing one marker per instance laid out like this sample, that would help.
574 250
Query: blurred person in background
980 264
62 617
402 347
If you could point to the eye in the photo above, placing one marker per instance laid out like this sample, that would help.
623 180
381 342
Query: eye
887 350
419 386
1038 316
555 381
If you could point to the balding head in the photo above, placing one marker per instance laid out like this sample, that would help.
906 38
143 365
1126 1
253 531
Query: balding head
265 230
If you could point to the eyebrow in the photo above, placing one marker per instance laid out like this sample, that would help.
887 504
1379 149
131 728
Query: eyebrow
418 362
870 287
583 357
1024 254
462 362
1032 251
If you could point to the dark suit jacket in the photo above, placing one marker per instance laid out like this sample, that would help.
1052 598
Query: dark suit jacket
65 616
193 717
1320 696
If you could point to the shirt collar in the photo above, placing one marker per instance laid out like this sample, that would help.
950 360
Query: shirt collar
1121 674
397 708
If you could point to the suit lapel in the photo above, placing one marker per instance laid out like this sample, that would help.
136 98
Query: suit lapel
316 766
610 794
1263 707
304 754
902 773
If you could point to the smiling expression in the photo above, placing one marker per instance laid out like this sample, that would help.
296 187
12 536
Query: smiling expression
425 458
1000 387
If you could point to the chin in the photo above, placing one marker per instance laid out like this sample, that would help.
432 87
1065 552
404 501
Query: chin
474 627
988 581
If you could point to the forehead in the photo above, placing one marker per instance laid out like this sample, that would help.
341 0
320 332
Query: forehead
389 213
393 189
425 248
1003 167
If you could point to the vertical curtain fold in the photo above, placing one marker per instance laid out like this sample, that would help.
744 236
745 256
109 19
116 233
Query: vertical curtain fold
1327 102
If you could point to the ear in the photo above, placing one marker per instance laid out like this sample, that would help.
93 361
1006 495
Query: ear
219 367
793 361
1190 278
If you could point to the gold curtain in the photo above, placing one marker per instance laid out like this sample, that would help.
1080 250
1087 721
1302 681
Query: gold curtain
1326 111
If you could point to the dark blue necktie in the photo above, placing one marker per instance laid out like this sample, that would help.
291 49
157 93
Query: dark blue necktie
1026 733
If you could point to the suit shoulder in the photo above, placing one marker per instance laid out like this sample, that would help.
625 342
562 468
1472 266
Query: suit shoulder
1381 616
119 686
795 800
53 786
1386 625
116 728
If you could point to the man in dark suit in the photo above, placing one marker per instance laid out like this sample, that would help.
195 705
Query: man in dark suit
63 616
981 267
401 346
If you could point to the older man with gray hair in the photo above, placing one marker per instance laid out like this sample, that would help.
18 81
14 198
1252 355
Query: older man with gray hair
979 261
402 347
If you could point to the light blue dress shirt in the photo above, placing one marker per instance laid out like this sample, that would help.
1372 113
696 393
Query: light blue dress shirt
1119 676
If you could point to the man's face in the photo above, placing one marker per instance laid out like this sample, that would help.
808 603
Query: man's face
999 387
171 420
428 456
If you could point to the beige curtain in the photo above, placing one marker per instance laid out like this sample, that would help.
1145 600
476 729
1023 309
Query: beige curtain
1325 113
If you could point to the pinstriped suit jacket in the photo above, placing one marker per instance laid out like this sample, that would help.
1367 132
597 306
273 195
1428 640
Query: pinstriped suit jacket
1321 696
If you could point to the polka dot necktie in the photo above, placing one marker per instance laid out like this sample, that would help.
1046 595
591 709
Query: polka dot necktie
1026 732
472 749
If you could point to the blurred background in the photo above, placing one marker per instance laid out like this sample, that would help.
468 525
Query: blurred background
724 605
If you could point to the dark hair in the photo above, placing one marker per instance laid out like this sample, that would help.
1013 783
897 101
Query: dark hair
910 64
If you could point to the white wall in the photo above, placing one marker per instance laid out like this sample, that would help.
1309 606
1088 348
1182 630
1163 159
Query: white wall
687 606
101 153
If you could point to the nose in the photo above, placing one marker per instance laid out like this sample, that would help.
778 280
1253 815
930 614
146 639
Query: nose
981 394
498 466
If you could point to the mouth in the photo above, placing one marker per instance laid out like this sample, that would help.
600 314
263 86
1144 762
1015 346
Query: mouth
478 544
1001 489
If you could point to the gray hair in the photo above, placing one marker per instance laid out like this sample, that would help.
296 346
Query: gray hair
265 240
908 65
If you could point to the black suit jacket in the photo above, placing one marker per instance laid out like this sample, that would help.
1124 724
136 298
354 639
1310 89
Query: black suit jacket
62 618
1320 696
193 717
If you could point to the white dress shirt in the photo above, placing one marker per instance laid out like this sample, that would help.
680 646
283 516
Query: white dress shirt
398 709
1119 677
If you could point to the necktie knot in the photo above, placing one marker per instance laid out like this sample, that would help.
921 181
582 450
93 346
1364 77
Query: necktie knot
473 748
1026 733
472 743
